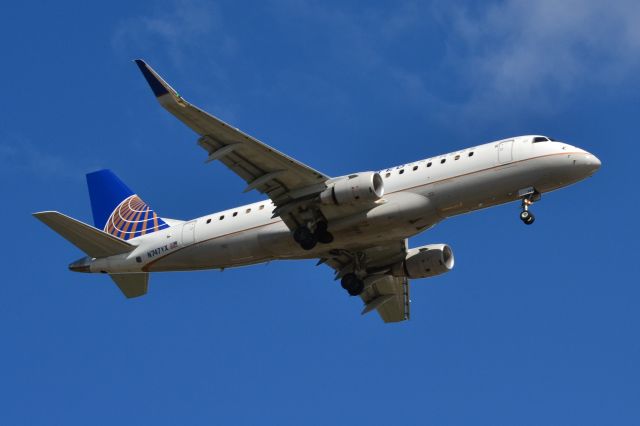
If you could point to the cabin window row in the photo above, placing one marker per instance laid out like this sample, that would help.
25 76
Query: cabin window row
429 164
247 211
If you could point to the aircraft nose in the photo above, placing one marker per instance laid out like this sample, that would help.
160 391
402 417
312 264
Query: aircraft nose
586 164
593 163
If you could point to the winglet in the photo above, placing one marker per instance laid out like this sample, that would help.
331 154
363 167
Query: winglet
157 84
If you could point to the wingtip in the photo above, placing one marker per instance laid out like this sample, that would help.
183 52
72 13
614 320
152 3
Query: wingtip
158 86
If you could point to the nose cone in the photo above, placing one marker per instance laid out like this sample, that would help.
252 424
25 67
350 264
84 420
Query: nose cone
592 163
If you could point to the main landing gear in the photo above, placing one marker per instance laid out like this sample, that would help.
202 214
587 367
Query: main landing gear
308 239
352 284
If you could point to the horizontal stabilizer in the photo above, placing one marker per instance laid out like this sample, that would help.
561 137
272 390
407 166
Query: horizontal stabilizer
132 285
90 240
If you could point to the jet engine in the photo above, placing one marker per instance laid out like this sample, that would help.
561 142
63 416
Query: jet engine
354 189
424 262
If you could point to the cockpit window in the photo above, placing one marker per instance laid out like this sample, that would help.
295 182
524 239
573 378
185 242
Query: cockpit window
540 139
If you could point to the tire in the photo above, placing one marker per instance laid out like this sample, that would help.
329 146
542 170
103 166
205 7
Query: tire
347 280
357 289
524 215
530 220
352 284
301 234
308 243
324 237
321 227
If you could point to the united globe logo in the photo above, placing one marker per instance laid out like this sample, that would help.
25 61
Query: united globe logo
133 218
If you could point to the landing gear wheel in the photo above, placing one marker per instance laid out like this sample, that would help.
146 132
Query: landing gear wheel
308 244
302 233
305 238
524 215
529 220
325 238
352 284
322 235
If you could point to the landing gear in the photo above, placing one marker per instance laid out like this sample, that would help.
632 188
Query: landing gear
527 200
305 238
322 235
308 240
352 284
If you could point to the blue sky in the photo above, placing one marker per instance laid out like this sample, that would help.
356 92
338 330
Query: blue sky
535 325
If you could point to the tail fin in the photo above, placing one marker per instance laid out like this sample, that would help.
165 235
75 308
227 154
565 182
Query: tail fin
117 210
90 240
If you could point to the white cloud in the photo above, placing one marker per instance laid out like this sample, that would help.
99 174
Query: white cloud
516 52
179 29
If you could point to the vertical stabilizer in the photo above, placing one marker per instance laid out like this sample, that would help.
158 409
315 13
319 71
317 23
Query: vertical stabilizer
117 210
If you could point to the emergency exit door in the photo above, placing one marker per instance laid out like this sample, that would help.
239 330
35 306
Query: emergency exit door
505 151
189 233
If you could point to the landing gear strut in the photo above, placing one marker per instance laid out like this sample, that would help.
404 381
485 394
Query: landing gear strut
352 284
308 240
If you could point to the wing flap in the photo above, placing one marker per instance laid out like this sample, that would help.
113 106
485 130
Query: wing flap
390 297
383 292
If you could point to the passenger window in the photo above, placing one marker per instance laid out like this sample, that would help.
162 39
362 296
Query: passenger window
221 217
235 214
387 175
401 171
415 168
471 154
261 207
457 157
443 160
429 164
208 220
248 211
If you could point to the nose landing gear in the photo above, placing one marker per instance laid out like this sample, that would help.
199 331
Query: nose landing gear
529 195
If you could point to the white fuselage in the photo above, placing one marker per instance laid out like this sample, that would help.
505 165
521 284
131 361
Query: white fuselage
417 196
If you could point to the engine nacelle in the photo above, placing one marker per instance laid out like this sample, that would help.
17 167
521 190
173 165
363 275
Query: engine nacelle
354 189
424 262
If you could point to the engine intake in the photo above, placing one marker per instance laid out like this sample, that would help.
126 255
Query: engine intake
353 189
424 262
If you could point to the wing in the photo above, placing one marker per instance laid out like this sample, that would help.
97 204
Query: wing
387 294
265 169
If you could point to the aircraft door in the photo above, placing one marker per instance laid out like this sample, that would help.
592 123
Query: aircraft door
505 151
189 233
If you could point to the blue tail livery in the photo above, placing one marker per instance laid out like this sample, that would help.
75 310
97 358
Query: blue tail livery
117 210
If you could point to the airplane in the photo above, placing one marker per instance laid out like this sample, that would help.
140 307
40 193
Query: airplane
357 224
